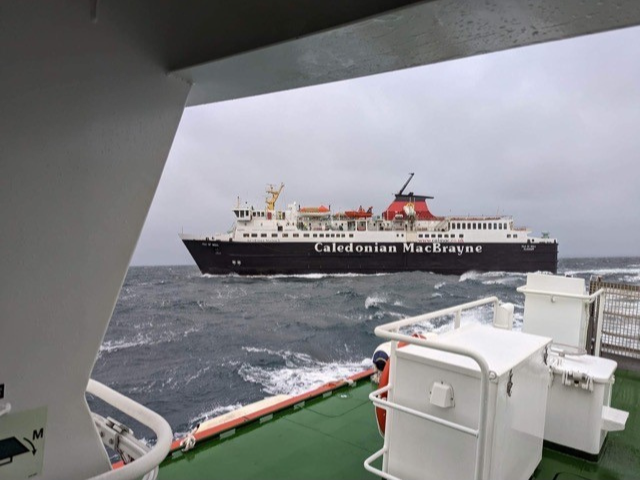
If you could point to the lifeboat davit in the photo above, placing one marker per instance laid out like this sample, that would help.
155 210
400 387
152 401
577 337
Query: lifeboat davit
360 213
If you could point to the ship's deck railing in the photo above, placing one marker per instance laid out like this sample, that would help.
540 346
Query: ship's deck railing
617 317
146 460
390 331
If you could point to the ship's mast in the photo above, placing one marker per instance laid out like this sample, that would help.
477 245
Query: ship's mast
274 194
406 183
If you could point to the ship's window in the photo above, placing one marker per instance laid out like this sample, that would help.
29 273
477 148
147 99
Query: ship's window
295 235
245 235
254 235
305 235
461 235
315 235
351 235
285 235
499 226
515 235
263 235
484 226
508 235
464 226
439 235
419 235
321 235
274 235
468 226
490 226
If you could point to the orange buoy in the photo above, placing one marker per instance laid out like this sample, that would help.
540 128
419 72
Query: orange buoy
381 413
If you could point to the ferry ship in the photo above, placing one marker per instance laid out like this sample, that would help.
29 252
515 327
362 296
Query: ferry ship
405 237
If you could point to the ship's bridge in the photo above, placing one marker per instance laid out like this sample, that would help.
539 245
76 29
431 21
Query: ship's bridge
243 214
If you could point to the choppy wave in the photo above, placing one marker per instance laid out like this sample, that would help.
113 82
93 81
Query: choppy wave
489 277
632 270
374 301
109 346
192 348
299 373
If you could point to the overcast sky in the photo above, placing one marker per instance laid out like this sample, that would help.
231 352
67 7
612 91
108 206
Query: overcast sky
549 134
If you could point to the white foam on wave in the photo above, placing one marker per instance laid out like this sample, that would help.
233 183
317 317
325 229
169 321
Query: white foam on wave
290 358
632 271
479 316
213 412
148 337
198 373
307 276
109 346
438 286
300 374
317 276
374 300
489 276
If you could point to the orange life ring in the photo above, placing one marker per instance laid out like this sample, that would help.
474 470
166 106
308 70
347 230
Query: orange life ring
381 413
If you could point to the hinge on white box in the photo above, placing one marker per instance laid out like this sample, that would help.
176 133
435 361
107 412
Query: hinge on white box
510 383
578 380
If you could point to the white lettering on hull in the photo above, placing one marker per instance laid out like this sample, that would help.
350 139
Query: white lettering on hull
436 248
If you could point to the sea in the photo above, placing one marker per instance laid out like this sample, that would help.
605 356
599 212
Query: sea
192 346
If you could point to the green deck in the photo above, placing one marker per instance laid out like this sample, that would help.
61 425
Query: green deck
330 438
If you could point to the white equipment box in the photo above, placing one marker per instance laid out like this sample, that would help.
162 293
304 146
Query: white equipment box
578 411
447 386
550 310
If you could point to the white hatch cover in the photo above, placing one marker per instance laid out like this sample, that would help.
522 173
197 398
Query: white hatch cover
502 349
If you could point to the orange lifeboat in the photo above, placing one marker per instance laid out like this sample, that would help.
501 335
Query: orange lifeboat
320 211
360 213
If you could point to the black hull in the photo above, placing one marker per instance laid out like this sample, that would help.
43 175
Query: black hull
221 258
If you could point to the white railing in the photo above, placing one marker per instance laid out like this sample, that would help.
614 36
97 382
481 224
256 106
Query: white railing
586 299
390 331
148 463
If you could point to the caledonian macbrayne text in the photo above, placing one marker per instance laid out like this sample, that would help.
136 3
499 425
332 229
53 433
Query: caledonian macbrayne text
406 248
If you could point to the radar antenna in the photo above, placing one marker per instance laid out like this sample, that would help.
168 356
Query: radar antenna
274 194
406 183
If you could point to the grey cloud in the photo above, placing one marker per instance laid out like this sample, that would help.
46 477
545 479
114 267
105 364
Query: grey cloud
547 134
